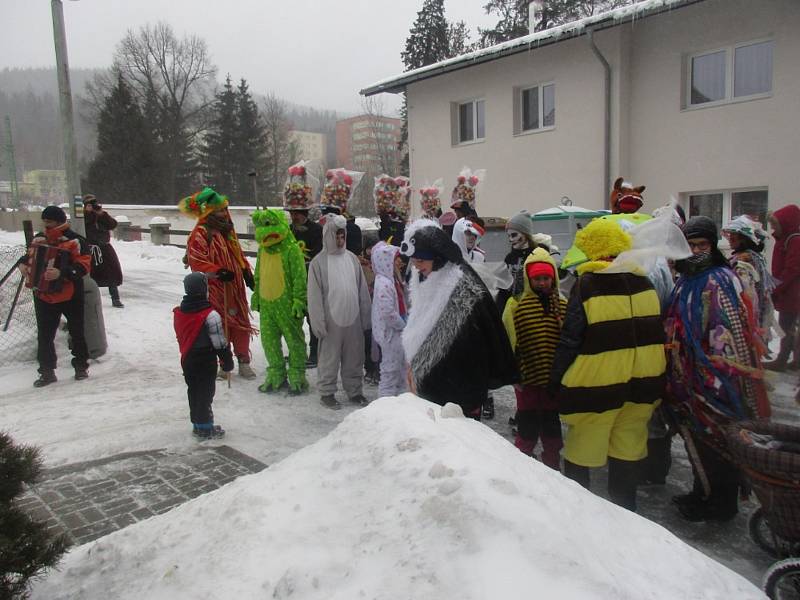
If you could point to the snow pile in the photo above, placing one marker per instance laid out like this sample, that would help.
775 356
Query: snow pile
397 502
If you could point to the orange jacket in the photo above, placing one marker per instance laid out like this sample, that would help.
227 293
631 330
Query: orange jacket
76 265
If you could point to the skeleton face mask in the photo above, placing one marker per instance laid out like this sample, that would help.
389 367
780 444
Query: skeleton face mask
517 240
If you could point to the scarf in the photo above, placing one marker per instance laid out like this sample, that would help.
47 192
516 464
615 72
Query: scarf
696 263
194 303
221 224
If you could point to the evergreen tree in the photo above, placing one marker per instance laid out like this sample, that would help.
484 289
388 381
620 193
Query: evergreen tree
427 39
124 170
427 43
513 16
220 145
251 143
26 547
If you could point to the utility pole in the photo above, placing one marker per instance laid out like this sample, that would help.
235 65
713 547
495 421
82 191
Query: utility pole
12 166
254 176
73 190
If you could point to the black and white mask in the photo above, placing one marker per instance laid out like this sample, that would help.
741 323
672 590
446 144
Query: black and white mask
517 240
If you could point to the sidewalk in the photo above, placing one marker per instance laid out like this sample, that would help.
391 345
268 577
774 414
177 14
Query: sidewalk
91 499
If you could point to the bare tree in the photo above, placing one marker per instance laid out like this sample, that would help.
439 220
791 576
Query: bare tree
381 140
172 78
382 154
281 152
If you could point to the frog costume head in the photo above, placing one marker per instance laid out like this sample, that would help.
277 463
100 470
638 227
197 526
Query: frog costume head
272 227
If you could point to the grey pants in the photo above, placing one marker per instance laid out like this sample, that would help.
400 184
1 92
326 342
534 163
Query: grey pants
341 350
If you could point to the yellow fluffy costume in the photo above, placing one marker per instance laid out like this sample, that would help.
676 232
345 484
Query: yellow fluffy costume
601 241
610 362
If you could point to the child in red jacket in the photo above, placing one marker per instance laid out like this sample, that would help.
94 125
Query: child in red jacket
202 342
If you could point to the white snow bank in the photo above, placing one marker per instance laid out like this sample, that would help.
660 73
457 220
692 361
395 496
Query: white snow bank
396 502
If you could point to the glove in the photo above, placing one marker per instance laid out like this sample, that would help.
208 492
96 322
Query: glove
248 279
298 309
226 356
224 275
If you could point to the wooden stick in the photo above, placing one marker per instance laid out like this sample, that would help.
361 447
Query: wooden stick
225 324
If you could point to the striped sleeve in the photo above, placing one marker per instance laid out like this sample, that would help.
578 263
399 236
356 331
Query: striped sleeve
215 330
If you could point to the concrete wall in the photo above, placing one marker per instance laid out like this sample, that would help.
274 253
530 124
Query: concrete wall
655 141
530 170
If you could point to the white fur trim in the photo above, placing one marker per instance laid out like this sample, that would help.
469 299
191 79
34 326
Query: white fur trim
428 300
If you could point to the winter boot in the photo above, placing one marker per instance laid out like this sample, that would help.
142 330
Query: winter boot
311 363
656 465
269 388
623 475
722 505
246 371
298 389
45 378
117 304
208 432
359 399
330 401
578 473
81 373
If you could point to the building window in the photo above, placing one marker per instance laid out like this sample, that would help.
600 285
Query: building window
728 74
470 121
721 207
538 107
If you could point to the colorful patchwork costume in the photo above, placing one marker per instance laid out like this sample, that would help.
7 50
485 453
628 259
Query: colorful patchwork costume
280 298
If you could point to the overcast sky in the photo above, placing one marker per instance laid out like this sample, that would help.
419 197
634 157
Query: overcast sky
312 52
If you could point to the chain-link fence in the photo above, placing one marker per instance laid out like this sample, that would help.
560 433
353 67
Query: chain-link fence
17 320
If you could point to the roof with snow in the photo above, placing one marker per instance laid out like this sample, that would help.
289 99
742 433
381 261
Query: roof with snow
598 22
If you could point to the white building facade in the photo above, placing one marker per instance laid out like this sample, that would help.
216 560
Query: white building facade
703 106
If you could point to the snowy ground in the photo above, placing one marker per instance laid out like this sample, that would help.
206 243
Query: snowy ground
351 513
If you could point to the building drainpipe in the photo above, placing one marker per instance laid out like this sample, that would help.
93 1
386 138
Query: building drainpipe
607 128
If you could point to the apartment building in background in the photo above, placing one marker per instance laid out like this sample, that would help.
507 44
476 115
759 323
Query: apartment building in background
368 143
310 145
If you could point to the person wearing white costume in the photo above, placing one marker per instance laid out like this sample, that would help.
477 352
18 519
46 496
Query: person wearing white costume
466 235
339 308
389 319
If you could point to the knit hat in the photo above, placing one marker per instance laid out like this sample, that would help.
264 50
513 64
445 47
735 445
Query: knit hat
701 227
534 269
203 203
521 223
89 199
54 213
196 284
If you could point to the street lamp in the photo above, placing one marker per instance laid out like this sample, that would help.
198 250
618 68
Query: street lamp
67 124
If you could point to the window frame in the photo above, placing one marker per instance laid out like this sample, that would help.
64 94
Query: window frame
727 201
519 123
455 113
730 70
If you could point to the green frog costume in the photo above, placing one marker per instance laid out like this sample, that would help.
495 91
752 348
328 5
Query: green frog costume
280 298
